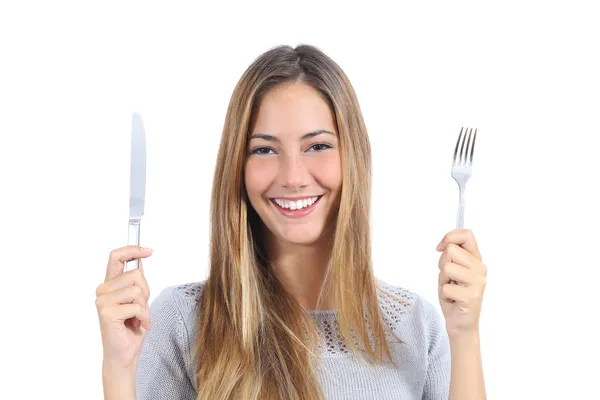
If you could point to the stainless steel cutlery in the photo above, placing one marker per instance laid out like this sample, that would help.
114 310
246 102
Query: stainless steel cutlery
462 167
137 184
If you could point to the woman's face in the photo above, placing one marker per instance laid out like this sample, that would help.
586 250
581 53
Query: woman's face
292 159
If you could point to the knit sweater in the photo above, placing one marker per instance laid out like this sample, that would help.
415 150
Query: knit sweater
165 370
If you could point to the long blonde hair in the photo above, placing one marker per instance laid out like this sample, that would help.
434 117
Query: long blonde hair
255 340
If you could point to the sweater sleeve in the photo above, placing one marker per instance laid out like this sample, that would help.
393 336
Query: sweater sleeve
161 371
437 382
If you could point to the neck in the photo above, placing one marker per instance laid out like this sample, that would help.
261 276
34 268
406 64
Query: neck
301 270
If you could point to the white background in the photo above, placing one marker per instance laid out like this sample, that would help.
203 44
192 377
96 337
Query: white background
526 74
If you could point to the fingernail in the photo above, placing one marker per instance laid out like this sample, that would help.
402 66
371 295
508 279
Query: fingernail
147 250
439 246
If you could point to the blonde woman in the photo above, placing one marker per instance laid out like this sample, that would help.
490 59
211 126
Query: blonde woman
291 308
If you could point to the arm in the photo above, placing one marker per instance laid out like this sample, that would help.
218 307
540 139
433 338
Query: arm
461 262
118 384
466 382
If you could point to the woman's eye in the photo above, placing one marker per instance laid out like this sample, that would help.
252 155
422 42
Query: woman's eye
320 146
261 150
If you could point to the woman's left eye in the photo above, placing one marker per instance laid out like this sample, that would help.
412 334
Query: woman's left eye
320 146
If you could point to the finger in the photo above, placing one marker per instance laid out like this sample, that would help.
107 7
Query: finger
134 277
123 312
454 272
118 257
454 293
463 238
126 295
458 255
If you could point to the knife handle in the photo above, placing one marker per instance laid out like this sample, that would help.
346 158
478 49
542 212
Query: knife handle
133 238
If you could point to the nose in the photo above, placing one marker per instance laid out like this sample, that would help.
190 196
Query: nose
293 174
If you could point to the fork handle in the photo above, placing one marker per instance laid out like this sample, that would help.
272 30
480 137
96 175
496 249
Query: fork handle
133 238
460 219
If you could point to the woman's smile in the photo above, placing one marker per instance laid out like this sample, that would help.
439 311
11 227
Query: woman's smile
296 208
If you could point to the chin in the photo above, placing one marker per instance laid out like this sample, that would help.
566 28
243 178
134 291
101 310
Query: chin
301 238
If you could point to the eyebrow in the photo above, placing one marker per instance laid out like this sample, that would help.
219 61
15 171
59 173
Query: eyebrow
272 138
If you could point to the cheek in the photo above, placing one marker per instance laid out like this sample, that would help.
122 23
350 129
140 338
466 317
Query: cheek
330 172
258 177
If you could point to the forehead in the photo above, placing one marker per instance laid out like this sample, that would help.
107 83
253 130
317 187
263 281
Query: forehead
294 108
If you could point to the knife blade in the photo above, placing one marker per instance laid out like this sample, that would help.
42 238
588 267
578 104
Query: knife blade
137 184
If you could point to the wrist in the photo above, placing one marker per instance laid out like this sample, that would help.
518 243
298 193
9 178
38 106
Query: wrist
470 339
118 382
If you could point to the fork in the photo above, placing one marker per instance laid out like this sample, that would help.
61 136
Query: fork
462 163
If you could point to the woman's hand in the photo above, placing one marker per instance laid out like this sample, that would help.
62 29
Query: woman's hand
122 303
461 303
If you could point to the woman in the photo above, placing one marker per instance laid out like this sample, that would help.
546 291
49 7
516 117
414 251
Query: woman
291 308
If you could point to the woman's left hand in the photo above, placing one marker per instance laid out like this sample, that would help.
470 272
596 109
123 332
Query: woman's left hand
461 303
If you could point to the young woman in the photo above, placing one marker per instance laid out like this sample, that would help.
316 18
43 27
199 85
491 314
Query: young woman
291 308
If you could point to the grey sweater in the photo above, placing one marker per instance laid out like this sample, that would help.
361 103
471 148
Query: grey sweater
165 370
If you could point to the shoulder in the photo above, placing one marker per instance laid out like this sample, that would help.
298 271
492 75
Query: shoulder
170 340
176 308
397 301
409 313
419 324
184 294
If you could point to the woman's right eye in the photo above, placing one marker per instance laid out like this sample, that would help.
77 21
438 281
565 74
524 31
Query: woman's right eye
261 150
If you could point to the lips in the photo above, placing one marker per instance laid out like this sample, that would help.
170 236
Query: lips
296 213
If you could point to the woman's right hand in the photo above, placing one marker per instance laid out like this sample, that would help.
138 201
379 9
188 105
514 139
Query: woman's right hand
122 303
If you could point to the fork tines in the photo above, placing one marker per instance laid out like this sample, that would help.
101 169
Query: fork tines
465 157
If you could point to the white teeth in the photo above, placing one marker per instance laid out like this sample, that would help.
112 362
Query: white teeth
296 205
